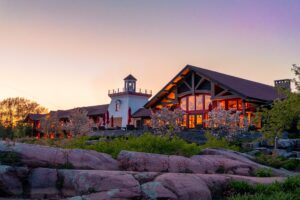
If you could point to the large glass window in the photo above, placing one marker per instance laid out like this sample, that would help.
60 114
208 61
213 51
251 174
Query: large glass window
207 101
191 103
191 121
199 102
199 119
183 103
221 104
232 104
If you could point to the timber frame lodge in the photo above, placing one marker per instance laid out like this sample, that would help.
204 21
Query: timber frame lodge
194 90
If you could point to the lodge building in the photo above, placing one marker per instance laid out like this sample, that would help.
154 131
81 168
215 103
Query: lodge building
194 90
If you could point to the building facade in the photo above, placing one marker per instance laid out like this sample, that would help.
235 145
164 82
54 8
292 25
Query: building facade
197 91
194 90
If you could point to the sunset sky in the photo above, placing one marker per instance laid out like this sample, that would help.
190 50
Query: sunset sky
69 53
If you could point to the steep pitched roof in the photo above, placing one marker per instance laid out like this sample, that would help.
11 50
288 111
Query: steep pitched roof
130 77
245 88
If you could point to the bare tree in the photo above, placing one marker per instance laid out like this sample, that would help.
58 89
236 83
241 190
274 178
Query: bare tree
79 123
167 122
51 124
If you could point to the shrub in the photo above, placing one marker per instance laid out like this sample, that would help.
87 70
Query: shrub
292 164
146 143
288 190
263 172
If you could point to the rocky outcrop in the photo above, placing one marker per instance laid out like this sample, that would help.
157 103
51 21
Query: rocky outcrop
54 173
35 156
114 183
185 186
43 182
11 180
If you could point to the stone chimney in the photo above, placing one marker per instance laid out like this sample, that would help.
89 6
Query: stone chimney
284 84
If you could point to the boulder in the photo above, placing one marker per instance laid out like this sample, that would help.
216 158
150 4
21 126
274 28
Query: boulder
88 159
82 182
139 161
35 156
185 186
144 177
155 190
242 158
219 164
286 143
43 183
285 154
11 180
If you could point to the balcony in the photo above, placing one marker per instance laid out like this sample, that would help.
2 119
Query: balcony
122 91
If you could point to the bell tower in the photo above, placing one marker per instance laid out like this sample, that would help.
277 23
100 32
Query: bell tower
130 83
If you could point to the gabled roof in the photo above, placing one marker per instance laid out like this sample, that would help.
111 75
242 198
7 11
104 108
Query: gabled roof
64 114
142 112
34 117
245 88
130 77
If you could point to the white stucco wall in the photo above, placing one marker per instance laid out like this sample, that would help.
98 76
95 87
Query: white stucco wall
133 101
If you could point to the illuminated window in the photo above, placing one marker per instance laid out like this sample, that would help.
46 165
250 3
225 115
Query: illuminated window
184 120
191 121
221 104
183 103
232 104
240 104
199 119
199 102
191 103
207 101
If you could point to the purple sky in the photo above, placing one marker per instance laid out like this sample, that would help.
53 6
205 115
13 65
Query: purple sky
68 53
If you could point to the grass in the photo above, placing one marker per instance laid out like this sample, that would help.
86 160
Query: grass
146 143
288 190
263 172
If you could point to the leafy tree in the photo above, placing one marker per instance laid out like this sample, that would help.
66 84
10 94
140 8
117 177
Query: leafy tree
296 80
16 109
284 115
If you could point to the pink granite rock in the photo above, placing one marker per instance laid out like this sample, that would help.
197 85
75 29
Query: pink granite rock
185 186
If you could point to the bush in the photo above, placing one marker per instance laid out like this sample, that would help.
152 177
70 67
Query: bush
263 172
278 162
146 143
288 190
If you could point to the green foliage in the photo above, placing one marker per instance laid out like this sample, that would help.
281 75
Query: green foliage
288 190
278 162
263 172
22 130
146 143
284 115
214 142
